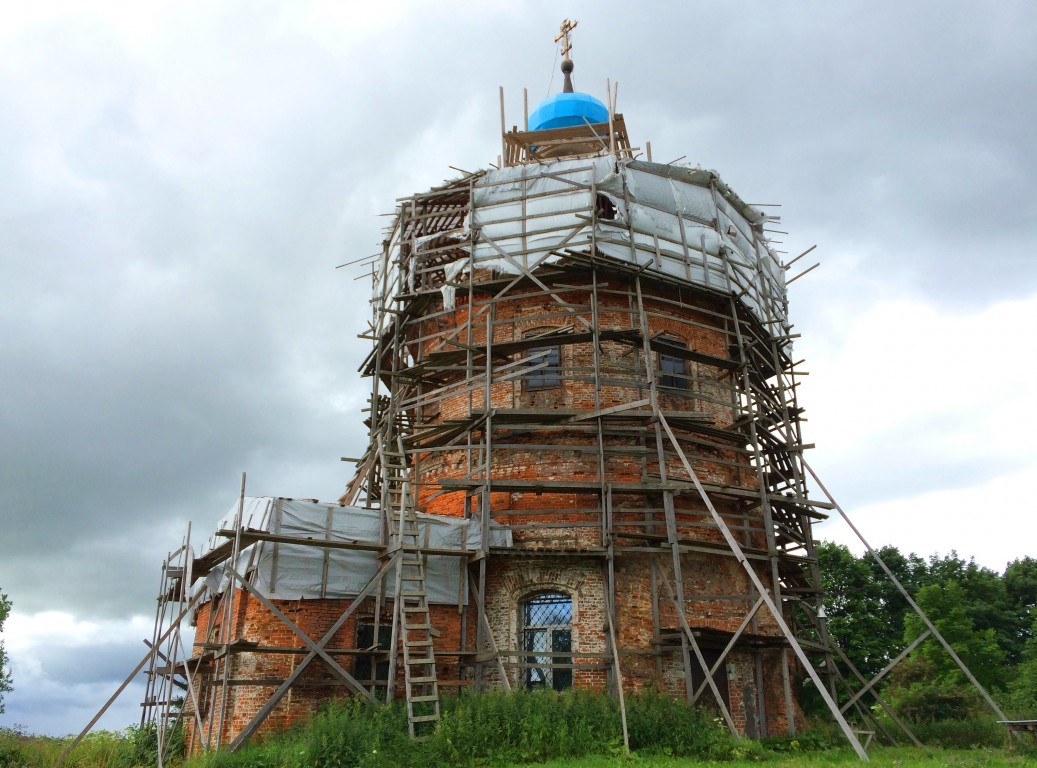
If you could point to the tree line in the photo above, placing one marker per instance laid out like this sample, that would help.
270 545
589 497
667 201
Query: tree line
5 669
989 618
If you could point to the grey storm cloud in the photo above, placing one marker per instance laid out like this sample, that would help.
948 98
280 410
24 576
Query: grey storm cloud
174 202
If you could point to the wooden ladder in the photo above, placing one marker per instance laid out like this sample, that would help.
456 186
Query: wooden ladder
411 604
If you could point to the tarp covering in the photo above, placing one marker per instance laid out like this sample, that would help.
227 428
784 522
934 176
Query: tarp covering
292 571
684 222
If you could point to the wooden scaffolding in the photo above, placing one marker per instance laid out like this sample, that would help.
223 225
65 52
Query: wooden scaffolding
764 521
436 335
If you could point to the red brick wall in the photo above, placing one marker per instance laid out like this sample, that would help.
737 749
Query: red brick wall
317 684
551 527
622 382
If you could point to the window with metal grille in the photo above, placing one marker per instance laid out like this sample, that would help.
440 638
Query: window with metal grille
673 370
368 669
547 621
548 377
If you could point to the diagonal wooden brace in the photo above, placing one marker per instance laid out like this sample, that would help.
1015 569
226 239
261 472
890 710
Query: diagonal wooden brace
702 661
728 647
732 543
336 668
249 730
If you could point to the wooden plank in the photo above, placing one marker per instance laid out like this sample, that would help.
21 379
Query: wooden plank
669 348
609 411
251 536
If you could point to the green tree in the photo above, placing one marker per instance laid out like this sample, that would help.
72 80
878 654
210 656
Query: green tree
929 685
990 619
1022 690
987 600
5 672
911 570
1021 586
852 597
865 609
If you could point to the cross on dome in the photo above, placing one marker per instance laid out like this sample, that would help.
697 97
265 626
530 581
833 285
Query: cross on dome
568 108
567 63
566 28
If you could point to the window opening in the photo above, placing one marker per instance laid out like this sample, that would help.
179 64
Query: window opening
547 633
369 669
604 208
698 676
673 370
549 376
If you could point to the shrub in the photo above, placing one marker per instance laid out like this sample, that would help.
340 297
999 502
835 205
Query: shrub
12 748
352 733
819 737
143 744
920 694
527 727
281 751
493 728
970 733
659 724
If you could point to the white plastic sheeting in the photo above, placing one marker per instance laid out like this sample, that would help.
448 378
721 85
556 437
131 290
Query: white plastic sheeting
683 222
293 571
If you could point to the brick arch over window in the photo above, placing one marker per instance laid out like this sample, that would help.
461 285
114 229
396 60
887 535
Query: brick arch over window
546 626
512 583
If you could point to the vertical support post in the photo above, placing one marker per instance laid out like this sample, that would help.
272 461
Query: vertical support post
761 698
464 587
503 132
677 594
786 684
612 132
149 692
612 118
771 606
656 638
228 617
754 406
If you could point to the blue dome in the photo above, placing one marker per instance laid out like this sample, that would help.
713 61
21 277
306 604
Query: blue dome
563 110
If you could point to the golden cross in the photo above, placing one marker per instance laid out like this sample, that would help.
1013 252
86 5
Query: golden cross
566 28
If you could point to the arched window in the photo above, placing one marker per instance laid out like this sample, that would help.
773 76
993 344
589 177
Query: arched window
547 622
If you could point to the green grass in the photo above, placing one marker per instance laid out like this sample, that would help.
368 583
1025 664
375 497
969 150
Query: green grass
569 730
101 749
580 730
881 757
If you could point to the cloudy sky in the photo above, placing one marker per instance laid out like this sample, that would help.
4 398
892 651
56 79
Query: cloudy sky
179 180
